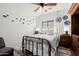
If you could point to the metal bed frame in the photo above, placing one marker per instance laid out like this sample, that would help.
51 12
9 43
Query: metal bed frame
27 40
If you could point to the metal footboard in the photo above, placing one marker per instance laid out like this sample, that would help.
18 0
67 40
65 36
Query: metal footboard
28 42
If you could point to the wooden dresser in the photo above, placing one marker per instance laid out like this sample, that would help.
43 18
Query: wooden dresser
65 40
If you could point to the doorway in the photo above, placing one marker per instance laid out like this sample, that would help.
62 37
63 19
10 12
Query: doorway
74 12
75 24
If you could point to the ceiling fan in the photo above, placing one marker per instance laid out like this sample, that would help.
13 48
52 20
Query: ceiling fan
44 5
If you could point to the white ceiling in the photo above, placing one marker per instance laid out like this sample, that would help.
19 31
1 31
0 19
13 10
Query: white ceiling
28 8
59 6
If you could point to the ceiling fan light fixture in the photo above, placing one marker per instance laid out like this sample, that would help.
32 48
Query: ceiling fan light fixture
45 6
45 10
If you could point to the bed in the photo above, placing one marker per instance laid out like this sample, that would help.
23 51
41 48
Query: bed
40 44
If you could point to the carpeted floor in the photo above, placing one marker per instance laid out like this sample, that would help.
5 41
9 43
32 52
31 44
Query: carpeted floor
61 52
18 53
64 51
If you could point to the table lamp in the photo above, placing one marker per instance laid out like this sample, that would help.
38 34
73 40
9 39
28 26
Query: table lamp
66 29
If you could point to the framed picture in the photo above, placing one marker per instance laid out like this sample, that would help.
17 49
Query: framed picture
44 24
50 24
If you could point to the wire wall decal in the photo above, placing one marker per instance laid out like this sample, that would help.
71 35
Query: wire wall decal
64 18
5 14
22 20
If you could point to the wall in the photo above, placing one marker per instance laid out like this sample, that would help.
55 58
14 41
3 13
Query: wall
53 16
12 32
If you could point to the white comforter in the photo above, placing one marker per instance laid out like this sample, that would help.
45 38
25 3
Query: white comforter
53 39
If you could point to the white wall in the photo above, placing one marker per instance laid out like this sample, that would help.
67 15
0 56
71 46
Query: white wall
53 16
12 32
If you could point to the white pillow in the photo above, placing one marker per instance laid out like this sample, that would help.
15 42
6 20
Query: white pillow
46 31
50 32
43 31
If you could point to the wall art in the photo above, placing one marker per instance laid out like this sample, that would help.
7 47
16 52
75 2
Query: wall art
16 18
65 17
22 22
67 22
6 15
58 19
12 20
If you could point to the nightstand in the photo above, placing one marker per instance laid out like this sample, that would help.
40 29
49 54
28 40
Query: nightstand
65 40
64 48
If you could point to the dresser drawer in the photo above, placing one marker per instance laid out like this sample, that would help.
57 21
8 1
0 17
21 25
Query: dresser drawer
65 41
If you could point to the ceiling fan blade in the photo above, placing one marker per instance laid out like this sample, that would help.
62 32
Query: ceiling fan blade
36 9
36 3
51 4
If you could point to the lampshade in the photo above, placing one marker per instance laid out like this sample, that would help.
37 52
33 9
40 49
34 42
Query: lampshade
37 29
66 28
